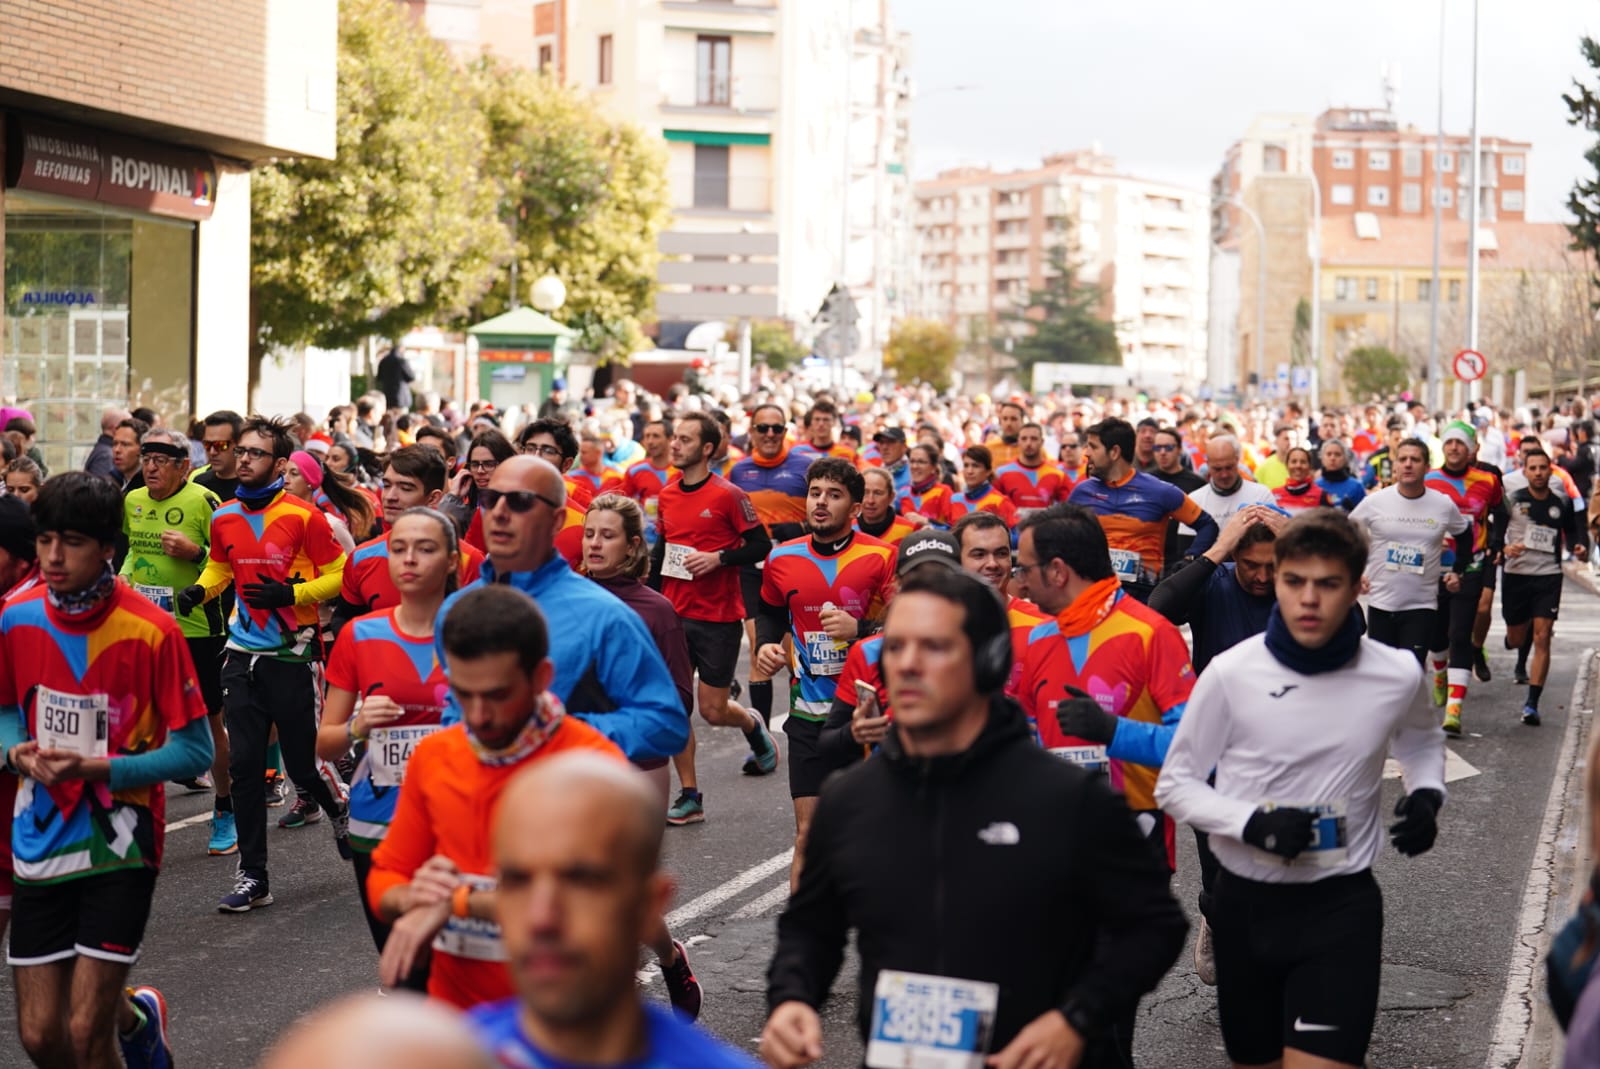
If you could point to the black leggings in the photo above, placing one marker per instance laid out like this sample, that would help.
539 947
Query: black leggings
418 980
1452 624
1404 629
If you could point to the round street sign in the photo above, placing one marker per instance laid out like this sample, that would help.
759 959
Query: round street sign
1469 365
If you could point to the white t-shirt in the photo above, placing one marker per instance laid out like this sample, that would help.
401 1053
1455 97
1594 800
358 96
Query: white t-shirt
1407 536
1221 506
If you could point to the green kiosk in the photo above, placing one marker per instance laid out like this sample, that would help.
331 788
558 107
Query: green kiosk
519 354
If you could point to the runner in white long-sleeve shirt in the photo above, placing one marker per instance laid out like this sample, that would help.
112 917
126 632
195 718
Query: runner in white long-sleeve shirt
1297 723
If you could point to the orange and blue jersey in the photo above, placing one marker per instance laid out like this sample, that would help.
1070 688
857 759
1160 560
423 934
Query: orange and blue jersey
1477 494
579 494
864 664
798 577
1032 488
981 498
366 583
928 500
569 538
1022 616
776 487
894 534
118 679
608 481
841 449
644 482
1133 514
373 656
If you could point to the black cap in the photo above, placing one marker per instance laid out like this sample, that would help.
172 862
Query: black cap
928 544
890 434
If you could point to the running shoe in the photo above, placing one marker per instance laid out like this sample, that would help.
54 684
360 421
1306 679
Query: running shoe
277 790
249 892
1530 716
1452 721
688 809
682 988
304 811
1519 675
224 835
763 758
346 767
1441 688
1205 955
147 1048
195 784
341 832
1480 666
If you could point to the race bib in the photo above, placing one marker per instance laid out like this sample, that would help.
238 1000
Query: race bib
1087 756
1127 564
160 596
1329 844
389 749
76 723
471 937
930 1022
1404 558
672 564
1540 539
824 655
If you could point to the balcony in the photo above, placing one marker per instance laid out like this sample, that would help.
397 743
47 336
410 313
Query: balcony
713 194
1021 209
1164 306
1019 240
719 92
1009 271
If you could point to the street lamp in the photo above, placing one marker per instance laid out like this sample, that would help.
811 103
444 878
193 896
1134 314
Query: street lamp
1316 286
548 294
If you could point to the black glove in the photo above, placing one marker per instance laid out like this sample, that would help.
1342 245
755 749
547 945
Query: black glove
1416 829
268 594
1081 717
188 598
1285 832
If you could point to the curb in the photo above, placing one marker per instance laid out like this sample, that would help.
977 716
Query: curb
1579 573
1525 1033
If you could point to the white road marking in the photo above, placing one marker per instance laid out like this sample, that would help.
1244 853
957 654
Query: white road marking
773 898
188 822
1525 972
1455 767
699 907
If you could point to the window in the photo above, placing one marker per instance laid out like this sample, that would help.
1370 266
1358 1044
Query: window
604 77
546 57
1411 197
1378 196
1273 158
1343 160
1446 198
1411 162
1343 288
1511 164
711 176
1425 289
1444 161
713 71
1511 200
1455 291
1378 159
1342 194
1372 289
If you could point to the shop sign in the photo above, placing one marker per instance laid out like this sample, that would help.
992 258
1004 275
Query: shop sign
73 162
514 356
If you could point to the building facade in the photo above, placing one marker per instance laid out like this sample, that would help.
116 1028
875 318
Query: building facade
129 130
985 240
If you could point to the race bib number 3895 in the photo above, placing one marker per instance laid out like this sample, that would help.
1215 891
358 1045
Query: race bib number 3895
930 1022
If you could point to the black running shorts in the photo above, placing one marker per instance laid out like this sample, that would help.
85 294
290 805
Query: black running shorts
101 916
1530 597
714 649
1297 966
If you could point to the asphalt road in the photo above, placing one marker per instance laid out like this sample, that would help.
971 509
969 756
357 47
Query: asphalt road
234 982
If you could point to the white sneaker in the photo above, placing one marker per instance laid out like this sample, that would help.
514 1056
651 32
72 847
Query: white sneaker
1205 955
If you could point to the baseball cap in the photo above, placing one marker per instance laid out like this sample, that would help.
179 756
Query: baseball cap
928 545
890 434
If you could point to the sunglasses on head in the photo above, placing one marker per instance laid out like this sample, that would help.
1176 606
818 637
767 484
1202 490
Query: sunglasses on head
516 500
768 428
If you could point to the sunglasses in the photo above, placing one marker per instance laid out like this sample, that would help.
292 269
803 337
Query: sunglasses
518 501
218 447
1163 448
768 428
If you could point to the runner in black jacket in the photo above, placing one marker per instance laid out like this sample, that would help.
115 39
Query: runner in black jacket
993 863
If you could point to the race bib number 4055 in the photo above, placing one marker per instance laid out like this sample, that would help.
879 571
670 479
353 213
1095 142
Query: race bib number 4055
930 1022
76 723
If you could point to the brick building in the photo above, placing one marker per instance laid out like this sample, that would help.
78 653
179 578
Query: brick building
127 132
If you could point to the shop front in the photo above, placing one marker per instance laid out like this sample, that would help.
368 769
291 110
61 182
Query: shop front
99 277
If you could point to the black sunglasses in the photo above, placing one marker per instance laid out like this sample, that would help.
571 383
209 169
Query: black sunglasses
768 428
516 500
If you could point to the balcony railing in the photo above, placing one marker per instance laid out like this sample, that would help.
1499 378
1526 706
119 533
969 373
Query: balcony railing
719 89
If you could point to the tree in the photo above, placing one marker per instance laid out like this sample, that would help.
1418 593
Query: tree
398 230
772 343
1375 371
921 350
586 199
1065 322
1583 109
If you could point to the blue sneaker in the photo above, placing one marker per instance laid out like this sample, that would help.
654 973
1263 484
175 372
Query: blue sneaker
763 758
249 892
147 1048
224 835
1530 716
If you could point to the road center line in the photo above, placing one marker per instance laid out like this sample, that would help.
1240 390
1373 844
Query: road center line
188 822
699 907
775 897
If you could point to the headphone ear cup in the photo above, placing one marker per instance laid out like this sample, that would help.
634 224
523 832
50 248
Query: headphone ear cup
993 663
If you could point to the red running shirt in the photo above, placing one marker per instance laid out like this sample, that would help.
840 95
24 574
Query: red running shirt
708 518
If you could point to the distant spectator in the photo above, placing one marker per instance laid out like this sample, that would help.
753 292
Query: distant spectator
99 459
127 472
394 378
25 427
147 415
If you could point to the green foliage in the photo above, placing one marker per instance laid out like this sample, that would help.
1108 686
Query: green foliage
921 350
398 230
772 343
1583 109
1300 339
586 197
1065 322
1373 371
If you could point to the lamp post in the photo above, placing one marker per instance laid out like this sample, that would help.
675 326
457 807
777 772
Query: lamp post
547 294
1473 211
1315 248
1261 291
1435 372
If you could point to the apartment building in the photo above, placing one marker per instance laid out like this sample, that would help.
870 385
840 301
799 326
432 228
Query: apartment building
1347 161
985 238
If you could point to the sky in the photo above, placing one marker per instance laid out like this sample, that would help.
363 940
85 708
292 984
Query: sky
1165 86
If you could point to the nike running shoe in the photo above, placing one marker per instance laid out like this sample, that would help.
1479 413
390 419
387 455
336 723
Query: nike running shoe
764 748
147 1048
688 809
1441 689
1205 955
224 835
682 988
249 892
341 832
1480 666
1452 721
1530 716
304 811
